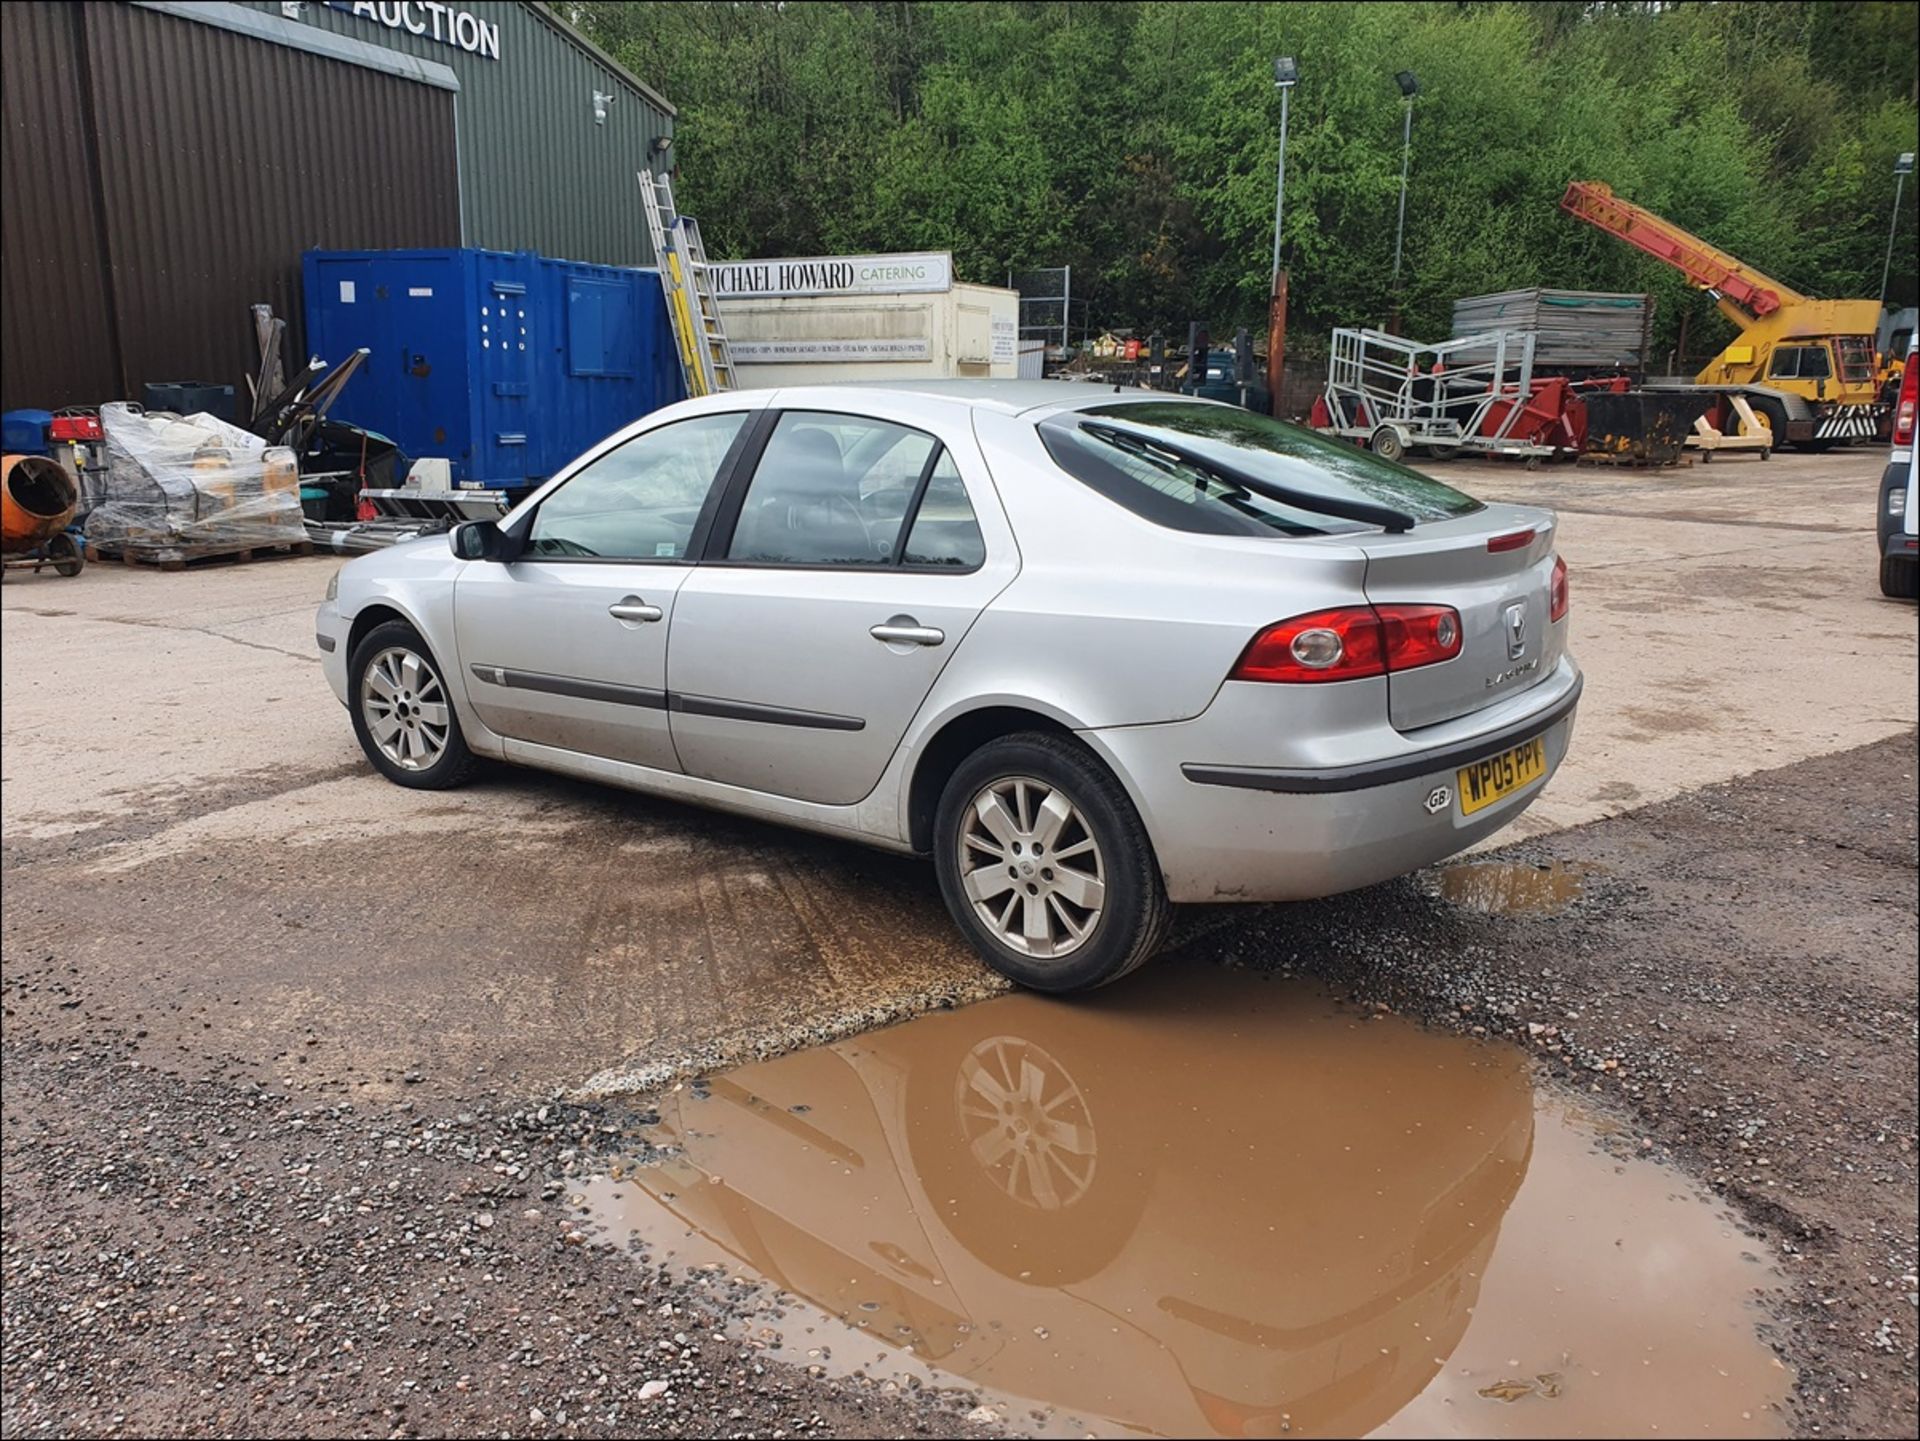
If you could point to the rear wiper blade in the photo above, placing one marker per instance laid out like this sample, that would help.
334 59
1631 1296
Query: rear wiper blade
1393 521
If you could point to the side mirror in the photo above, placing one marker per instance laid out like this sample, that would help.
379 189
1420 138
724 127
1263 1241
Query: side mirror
479 540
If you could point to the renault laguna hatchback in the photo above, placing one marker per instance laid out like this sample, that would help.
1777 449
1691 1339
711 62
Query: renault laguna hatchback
1095 653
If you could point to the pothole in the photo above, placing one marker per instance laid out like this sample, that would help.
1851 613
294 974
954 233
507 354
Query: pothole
1515 888
1205 1204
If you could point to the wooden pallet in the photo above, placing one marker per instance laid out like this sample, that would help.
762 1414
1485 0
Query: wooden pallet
180 557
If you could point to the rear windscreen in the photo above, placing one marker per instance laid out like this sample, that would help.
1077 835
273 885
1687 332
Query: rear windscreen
1185 496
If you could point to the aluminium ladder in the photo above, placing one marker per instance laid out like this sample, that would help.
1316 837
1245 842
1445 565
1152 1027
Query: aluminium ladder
706 357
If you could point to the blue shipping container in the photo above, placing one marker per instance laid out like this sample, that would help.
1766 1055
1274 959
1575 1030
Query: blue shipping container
508 365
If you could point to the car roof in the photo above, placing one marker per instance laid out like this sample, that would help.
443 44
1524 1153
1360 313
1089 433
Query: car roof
1010 397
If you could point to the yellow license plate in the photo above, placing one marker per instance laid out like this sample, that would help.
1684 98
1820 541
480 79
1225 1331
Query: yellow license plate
1497 777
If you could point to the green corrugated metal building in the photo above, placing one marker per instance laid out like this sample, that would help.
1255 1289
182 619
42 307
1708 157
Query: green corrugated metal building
549 128
167 162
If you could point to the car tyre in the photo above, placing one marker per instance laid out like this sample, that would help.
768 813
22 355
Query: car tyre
1084 920
1899 579
402 711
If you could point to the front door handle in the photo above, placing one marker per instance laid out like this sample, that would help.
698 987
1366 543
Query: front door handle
633 608
905 630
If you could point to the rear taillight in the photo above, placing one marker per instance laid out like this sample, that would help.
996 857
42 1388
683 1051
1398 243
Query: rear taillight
1418 635
1909 395
1351 643
1557 591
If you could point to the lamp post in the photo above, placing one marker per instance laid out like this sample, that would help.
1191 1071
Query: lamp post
1902 168
1409 84
1286 74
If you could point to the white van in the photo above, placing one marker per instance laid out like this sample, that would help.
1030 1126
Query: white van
1899 495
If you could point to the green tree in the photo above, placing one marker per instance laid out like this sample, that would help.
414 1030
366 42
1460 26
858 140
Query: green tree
1137 143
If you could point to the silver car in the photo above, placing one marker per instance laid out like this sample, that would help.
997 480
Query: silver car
1095 652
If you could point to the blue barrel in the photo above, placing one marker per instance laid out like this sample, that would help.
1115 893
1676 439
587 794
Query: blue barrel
25 431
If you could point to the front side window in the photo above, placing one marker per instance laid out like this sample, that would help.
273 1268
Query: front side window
830 490
1191 497
639 501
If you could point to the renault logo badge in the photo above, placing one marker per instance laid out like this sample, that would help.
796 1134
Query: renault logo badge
1516 630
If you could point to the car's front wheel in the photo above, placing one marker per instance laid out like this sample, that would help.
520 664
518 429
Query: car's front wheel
402 712
1045 864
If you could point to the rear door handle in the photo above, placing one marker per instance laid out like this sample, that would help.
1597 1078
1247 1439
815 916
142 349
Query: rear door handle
633 608
905 630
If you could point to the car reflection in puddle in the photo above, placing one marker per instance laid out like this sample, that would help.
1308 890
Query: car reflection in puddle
1207 1204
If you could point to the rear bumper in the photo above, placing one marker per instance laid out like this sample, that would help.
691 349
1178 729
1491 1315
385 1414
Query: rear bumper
1231 833
1368 775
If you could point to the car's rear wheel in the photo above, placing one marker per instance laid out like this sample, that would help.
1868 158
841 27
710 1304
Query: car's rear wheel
1899 578
402 712
1046 866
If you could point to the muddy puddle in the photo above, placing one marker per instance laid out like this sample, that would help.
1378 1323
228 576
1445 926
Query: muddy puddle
1514 888
1206 1204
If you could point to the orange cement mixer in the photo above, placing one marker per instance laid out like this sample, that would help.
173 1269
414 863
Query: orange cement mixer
37 499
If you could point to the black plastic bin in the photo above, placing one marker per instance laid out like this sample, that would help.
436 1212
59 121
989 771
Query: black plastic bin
1649 427
190 397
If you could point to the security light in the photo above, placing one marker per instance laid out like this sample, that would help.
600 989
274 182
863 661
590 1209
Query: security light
1408 82
1285 71
1904 165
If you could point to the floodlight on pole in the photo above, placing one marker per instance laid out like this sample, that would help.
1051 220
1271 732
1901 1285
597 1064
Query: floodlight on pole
1286 74
1409 84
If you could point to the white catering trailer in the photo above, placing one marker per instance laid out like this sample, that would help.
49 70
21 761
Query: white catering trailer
820 320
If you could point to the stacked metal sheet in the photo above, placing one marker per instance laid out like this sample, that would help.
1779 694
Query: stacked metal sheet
1577 329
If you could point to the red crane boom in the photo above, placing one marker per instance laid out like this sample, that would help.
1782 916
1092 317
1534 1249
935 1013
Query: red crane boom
1705 265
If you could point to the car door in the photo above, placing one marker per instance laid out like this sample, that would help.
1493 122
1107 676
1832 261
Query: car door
841 577
566 645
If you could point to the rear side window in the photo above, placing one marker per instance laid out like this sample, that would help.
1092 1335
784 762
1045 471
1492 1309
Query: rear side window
1183 496
945 534
830 490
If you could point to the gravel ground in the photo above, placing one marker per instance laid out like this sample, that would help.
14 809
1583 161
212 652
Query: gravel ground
197 1253
1737 981
197 1257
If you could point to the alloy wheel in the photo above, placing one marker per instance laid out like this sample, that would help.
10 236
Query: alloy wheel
405 707
1031 867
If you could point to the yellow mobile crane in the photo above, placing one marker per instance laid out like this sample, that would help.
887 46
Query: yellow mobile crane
1805 366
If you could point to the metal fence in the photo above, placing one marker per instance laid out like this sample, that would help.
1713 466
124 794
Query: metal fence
1046 304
